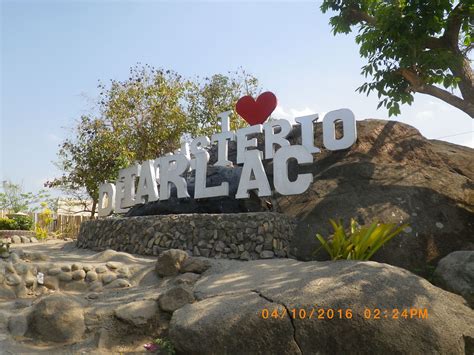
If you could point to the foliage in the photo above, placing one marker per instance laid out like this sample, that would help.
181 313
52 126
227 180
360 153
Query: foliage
162 346
216 94
14 199
8 224
361 243
23 222
411 46
141 118
45 218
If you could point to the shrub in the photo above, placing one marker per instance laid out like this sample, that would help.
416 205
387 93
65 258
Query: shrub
8 224
23 222
361 243
45 217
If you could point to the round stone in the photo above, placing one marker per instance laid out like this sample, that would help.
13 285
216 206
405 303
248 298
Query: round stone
100 269
91 276
78 275
108 278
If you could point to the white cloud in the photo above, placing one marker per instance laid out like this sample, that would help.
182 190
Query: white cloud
290 114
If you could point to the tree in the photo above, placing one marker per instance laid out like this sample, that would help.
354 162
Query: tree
93 156
141 118
217 94
14 199
412 46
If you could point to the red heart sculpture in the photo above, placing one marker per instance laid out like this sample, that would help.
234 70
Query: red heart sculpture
256 112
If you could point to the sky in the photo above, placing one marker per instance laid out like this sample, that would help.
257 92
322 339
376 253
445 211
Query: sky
54 52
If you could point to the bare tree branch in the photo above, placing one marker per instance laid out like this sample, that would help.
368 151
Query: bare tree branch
417 85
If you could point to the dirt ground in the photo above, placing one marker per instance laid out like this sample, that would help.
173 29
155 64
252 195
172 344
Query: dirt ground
105 334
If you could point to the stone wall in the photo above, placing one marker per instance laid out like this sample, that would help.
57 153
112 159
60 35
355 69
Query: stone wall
244 236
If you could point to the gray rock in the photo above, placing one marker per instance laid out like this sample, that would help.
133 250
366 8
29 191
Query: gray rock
188 278
78 275
225 204
57 318
76 267
12 279
108 278
18 324
66 268
245 255
195 265
51 282
54 271
112 266
232 311
33 240
169 262
435 183
137 313
24 239
119 283
91 276
216 316
175 298
100 269
267 254
15 258
455 273
16 239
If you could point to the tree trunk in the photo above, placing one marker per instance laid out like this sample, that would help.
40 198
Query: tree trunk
94 206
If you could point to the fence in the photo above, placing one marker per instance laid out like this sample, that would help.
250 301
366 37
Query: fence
63 225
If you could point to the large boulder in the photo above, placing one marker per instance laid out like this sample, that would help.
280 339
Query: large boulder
216 175
391 174
455 273
57 318
169 262
289 307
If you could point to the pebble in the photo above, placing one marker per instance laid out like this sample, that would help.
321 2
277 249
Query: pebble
78 275
108 278
66 268
100 269
76 267
54 271
88 268
111 265
91 276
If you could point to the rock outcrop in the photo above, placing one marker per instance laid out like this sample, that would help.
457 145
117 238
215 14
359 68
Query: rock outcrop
394 175
292 307
455 273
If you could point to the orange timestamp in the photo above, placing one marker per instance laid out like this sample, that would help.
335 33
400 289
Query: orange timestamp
344 313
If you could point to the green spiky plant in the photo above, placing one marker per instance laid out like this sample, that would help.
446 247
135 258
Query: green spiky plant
360 243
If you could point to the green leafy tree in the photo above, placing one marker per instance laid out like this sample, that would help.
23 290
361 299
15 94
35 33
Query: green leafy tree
14 199
412 46
141 118
217 94
93 156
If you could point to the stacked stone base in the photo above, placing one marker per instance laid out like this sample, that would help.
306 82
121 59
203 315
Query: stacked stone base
246 236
